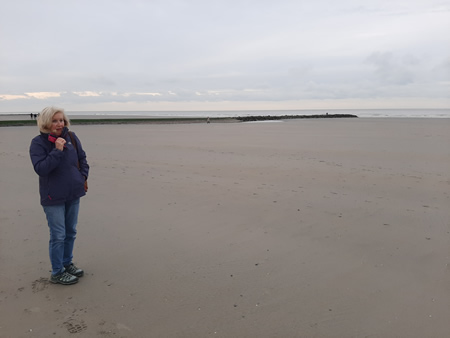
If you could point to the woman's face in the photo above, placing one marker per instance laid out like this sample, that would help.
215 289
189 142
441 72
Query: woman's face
57 124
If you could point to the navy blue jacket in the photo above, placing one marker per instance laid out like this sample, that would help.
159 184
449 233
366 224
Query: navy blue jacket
60 180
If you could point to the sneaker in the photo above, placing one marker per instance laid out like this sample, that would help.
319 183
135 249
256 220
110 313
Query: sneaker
74 270
64 278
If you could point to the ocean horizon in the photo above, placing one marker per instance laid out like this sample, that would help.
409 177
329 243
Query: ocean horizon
363 113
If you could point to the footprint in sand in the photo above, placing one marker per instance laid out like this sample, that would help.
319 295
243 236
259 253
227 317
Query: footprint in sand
74 325
40 284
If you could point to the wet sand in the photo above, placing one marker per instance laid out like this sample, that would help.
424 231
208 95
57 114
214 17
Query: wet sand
305 228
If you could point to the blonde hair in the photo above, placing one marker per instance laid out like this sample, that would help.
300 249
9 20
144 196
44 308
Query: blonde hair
46 116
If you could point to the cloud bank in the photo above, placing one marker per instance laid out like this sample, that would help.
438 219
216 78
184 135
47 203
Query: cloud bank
221 55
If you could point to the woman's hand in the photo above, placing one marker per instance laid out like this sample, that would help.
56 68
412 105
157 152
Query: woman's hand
59 143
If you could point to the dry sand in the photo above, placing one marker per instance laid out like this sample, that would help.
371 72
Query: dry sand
307 228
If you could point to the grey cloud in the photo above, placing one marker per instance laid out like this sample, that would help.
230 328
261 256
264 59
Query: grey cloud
388 69
217 51
442 70
102 81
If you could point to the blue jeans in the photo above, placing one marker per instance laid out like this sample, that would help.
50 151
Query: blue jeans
62 221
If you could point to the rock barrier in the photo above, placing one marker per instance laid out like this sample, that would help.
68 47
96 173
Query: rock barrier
286 117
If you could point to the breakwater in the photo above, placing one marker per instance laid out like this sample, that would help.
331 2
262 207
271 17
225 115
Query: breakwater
285 117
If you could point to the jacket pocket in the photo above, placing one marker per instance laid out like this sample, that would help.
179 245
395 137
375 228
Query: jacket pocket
78 182
55 189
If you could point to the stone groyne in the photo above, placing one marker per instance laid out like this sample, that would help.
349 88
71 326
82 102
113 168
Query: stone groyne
285 117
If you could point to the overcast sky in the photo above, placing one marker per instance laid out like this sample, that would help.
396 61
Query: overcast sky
224 54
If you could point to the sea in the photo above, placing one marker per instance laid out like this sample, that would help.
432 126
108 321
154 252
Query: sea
363 113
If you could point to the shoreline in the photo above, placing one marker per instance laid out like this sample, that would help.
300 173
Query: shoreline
360 112
122 120
172 120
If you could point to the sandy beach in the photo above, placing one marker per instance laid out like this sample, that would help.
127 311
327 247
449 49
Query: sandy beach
303 228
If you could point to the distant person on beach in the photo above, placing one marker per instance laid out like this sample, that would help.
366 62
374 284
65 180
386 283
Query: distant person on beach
60 161
207 120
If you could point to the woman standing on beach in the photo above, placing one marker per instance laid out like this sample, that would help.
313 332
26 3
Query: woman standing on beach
60 161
